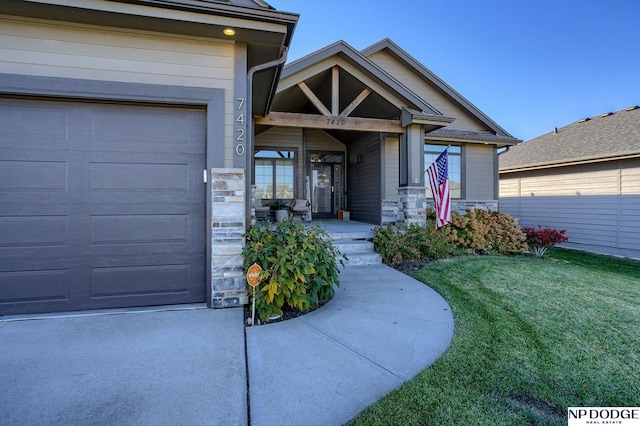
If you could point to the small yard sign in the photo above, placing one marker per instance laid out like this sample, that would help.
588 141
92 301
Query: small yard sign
254 278
253 275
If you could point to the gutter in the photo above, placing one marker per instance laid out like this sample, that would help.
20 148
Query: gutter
250 131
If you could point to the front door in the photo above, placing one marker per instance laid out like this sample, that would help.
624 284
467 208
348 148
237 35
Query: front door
327 184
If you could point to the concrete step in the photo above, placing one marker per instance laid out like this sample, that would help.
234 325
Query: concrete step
368 258
351 235
358 252
353 246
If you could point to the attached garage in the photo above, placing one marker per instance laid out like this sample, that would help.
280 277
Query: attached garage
103 205
123 127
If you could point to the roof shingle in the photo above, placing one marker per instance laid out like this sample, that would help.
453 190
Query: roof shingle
604 137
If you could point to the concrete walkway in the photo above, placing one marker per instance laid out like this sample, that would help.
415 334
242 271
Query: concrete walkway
187 365
380 330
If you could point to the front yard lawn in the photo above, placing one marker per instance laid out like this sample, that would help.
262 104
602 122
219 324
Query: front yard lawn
532 337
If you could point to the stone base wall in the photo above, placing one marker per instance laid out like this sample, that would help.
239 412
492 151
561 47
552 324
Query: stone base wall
461 206
412 207
228 212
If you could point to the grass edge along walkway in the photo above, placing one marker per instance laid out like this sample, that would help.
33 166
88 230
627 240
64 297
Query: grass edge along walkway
532 337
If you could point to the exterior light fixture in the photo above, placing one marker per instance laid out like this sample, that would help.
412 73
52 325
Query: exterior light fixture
229 31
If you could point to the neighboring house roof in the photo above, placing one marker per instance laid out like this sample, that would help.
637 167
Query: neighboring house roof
432 79
602 138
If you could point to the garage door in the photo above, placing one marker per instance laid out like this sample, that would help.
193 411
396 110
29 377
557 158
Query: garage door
101 206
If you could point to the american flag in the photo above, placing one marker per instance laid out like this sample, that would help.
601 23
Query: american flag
439 182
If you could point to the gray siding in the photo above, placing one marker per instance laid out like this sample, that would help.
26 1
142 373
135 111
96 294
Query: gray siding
391 163
599 205
479 172
464 120
364 180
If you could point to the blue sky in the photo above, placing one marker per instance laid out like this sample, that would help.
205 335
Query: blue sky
529 65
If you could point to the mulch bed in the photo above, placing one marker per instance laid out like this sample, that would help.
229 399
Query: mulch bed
407 267
287 314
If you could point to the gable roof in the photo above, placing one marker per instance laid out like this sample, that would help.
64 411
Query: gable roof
435 81
606 137
355 58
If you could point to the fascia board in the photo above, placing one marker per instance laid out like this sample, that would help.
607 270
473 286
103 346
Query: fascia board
187 12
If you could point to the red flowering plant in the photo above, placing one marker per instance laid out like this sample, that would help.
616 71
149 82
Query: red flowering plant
539 240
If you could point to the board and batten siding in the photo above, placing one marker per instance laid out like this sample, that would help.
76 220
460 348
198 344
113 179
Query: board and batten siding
463 121
599 205
364 181
53 49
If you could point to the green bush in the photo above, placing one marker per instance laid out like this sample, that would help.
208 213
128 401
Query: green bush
414 242
299 266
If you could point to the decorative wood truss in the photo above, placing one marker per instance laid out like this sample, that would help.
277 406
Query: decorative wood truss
334 119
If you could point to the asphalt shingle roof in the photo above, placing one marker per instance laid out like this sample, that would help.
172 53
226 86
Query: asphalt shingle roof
610 135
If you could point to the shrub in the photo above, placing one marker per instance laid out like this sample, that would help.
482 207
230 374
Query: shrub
300 266
410 243
541 239
388 241
486 231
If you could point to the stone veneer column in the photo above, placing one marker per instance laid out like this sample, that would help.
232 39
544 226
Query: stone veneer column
412 206
227 230
389 212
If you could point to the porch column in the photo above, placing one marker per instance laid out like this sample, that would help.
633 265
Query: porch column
412 205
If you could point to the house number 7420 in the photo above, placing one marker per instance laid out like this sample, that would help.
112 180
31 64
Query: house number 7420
240 130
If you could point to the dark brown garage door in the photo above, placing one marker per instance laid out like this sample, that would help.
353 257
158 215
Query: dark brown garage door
101 206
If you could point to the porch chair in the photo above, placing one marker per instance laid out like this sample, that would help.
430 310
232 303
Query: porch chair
300 207
261 211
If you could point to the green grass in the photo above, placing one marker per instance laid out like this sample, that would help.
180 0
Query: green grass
532 337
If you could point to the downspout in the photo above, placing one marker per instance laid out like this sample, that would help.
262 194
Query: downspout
249 151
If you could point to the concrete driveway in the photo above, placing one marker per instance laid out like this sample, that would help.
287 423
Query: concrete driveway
187 365
133 367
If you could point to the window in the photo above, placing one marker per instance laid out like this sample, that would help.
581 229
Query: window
454 158
274 172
